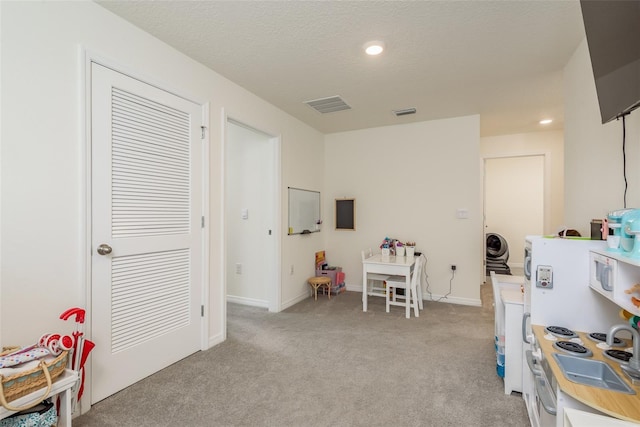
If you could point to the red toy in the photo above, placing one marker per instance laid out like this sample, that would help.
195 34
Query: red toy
81 346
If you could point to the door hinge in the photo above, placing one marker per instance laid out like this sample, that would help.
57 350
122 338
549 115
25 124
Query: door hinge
202 222
202 311
204 130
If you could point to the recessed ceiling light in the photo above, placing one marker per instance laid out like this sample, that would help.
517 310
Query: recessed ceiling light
374 48
546 121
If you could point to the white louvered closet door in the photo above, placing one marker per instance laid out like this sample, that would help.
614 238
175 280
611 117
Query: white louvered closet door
146 207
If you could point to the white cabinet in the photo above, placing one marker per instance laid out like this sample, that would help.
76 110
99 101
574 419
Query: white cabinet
616 277
509 308
513 309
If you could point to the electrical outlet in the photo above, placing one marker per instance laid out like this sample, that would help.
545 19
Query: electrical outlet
291 270
453 267
238 268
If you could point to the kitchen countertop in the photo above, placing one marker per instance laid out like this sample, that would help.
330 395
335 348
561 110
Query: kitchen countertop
616 404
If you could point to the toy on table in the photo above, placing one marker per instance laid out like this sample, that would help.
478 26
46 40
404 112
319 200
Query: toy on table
388 246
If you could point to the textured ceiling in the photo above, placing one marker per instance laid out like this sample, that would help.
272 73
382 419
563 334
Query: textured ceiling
500 59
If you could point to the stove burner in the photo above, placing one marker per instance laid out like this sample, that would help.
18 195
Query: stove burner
618 355
572 348
560 332
600 337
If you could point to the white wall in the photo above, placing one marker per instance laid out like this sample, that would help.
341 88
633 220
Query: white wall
550 144
408 181
43 230
594 183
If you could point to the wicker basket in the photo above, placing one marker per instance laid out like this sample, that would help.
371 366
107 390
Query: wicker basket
23 383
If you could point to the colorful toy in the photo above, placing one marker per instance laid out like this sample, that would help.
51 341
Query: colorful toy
81 347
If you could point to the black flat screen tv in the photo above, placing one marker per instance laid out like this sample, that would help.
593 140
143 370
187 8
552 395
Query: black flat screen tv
612 28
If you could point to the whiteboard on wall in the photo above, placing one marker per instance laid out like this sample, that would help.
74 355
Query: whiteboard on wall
304 211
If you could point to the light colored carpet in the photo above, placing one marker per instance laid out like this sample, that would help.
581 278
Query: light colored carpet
326 363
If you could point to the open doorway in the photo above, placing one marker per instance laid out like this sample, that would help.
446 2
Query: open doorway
514 201
252 261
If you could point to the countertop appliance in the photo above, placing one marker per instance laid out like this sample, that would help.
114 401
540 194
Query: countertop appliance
557 292
614 220
630 233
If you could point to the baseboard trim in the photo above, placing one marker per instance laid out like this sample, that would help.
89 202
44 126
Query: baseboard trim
453 300
434 297
294 301
215 340
354 288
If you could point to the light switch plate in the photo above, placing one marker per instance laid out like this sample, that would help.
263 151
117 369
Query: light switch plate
462 213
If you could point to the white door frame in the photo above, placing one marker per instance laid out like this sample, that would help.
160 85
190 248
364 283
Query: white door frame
87 58
275 293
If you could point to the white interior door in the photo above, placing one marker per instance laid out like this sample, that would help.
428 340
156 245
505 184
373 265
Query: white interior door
514 200
146 209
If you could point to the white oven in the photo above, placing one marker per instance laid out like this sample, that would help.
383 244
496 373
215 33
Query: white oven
542 405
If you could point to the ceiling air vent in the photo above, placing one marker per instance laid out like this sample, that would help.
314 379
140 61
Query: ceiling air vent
328 105
404 112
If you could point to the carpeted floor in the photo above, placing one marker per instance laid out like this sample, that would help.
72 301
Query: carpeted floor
326 363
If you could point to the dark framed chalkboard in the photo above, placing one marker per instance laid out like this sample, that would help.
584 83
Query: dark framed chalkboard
345 214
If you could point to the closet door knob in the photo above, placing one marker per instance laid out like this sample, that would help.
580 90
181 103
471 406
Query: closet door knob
104 249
